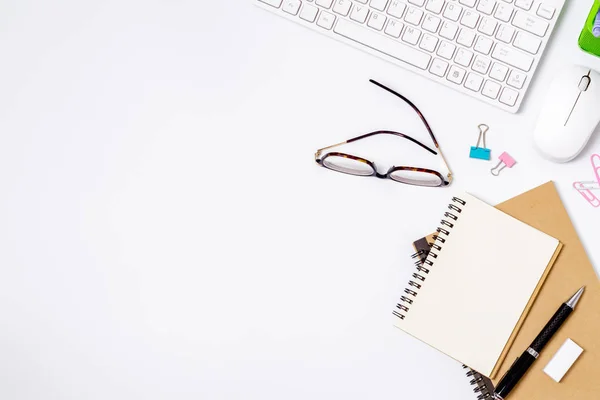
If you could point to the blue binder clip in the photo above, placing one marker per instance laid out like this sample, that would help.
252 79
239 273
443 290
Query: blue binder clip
481 153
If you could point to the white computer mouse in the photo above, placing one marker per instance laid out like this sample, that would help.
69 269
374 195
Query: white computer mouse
569 115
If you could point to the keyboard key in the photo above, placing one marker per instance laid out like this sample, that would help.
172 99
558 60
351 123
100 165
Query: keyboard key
274 3
396 9
509 97
505 33
498 72
516 79
470 19
468 3
527 42
394 28
488 26
438 67
388 46
411 35
342 7
473 82
503 12
448 30
326 20
486 6
456 74
481 65
413 16
379 4
324 3
545 11
529 23
491 89
446 50
291 6
431 23
524 4
452 11
463 57
309 13
435 6
513 57
428 42
483 45
359 13
466 37
419 3
376 21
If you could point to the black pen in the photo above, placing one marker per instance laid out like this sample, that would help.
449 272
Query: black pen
522 364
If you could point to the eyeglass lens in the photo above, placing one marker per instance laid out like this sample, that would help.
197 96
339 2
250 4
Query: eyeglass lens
348 165
419 178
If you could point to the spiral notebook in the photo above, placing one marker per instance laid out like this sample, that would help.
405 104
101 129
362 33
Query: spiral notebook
470 296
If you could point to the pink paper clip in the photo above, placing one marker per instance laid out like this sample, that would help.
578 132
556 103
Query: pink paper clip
587 194
585 188
595 159
505 161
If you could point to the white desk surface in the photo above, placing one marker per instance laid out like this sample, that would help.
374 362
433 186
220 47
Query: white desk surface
166 234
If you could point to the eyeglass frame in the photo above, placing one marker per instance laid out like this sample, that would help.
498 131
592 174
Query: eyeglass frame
444 182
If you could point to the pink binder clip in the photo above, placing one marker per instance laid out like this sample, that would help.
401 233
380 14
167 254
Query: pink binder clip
505 161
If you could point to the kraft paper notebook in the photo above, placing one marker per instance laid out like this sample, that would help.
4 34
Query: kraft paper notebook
542 208
459 296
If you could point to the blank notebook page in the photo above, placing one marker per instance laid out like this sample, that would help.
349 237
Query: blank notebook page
479 285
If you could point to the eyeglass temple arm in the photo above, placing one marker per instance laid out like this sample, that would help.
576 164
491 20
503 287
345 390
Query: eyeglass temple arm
415 141
366 135
414 107
318 153
410 103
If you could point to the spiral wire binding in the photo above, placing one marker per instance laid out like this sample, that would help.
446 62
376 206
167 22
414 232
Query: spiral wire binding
425 258
483 387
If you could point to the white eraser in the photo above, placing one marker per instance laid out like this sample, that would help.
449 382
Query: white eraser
564 358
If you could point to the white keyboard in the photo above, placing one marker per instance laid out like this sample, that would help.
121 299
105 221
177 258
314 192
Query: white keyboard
488 49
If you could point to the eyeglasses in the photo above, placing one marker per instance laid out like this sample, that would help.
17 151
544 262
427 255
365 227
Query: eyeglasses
353 165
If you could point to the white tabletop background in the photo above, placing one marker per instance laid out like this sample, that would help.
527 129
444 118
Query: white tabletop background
165 232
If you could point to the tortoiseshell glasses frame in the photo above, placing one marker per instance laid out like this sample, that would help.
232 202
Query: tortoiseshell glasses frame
363 167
